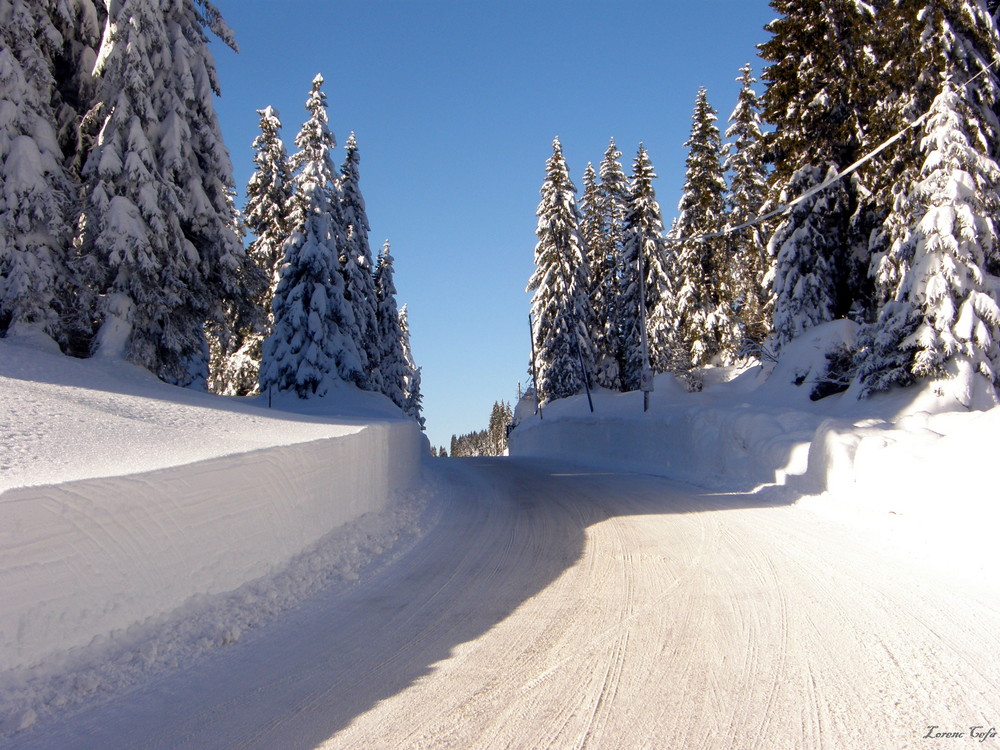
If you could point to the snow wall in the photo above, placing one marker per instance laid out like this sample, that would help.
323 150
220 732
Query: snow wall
82 560
719 449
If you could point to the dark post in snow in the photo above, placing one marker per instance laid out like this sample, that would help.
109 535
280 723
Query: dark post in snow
534 377
583 371
645 377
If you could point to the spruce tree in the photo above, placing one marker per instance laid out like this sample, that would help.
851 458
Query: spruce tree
603 291
705 329
824 85
412 398
613 192
158 234
643 232
560 305
747 193
267 216
36 191
359 282
393 366
938 280
805 250
310 344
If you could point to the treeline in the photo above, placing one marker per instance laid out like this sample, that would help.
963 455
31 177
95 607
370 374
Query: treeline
905 245
489 442
119 235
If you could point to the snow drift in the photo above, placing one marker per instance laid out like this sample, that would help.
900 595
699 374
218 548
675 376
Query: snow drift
762 427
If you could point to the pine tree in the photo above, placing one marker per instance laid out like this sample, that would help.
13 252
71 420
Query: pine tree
819 96
938 279
36 191
311 343
643 232
393 365
602 260
269 203
560 305
359 282
747 193
614 197
80 24
705 331
412 398
824 85
805 251
159 232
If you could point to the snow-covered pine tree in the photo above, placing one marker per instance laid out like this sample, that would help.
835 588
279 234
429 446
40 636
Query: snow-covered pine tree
412 398
80 24
938 279
804 250
613 193
746 163
706 330
266 216
824 84
602 261
643 232
393 365
158 233
560 305
36 191
359 281
310 344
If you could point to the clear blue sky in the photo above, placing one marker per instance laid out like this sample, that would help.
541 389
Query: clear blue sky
455 104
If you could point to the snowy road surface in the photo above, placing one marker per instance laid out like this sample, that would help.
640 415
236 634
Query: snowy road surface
558 607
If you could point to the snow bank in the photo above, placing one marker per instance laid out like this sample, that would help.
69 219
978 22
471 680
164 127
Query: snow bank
170 495
761 427
86 558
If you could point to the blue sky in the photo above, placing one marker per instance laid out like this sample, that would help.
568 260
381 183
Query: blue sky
455 104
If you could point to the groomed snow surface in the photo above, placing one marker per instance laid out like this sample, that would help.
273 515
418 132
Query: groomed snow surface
737 568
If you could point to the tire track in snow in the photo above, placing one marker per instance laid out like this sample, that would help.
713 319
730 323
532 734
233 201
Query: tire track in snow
606 611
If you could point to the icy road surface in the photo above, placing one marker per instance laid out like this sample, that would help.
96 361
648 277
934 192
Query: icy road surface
556 607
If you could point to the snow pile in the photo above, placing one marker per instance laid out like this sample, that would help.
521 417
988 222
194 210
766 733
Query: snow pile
761 427
169 501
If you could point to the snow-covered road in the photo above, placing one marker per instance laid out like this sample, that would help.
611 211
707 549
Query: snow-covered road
559 607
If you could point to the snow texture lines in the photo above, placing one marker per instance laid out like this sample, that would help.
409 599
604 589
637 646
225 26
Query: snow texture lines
555 606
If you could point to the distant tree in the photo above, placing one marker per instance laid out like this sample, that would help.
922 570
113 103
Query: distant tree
393 366
560 304
443 452
311 342
747 194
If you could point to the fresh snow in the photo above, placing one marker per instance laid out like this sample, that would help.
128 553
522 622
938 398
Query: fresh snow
737 568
